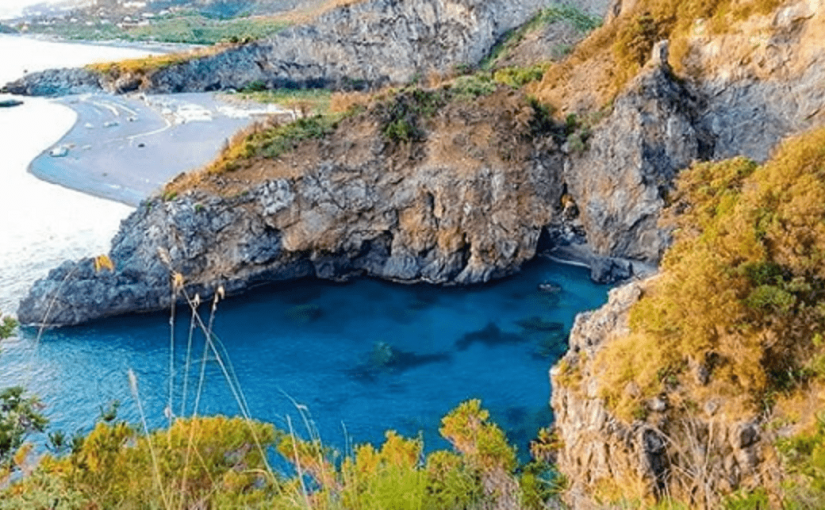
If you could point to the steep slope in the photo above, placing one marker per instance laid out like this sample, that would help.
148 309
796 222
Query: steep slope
684 385
365 44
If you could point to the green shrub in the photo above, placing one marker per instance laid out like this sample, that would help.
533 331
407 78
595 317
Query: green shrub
219 462
518 77
473 86
7 327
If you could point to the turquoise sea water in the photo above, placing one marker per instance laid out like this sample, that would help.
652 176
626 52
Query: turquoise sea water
325 346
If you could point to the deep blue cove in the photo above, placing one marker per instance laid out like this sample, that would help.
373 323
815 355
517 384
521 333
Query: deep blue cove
363 357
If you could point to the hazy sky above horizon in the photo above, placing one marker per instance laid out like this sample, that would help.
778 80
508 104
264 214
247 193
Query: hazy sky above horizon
14 7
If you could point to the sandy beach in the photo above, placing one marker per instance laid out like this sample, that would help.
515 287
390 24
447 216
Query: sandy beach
125 148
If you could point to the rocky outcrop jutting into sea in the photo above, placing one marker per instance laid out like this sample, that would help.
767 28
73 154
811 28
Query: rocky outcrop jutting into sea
441 214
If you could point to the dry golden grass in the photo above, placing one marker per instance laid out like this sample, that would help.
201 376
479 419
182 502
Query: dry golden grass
342 102
740 290
148 65
601 65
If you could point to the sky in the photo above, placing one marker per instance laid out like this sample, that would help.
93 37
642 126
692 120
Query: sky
14 7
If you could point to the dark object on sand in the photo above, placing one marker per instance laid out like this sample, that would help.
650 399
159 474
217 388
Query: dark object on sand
8 103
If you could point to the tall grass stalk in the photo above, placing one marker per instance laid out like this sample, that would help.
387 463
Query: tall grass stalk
133 385
304 491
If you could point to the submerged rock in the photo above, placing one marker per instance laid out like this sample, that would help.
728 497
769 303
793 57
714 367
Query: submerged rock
305 313
490 335
387 358
536 323
550 287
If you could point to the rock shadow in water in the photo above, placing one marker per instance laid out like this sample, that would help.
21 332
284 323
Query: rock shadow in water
490 335
303 293
422 297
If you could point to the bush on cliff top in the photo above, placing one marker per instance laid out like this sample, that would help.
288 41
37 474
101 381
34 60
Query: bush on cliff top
742 290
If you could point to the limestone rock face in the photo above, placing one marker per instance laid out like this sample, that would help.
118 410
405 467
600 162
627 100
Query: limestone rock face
714 453
367 43
432 223
633 157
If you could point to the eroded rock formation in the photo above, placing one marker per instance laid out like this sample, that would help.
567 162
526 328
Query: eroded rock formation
692 457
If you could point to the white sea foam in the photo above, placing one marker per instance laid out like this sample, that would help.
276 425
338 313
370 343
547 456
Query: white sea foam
42 224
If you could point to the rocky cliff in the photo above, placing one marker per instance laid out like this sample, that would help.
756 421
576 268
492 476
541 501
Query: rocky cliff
693 458
740 93
363 44
467 199
462 207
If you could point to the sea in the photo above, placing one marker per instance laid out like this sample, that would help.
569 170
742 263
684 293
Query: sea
344 362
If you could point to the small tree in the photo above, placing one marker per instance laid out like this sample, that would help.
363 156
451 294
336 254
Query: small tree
19 415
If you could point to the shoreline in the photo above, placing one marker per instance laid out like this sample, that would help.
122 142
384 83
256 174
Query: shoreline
601 267
126 148
149 46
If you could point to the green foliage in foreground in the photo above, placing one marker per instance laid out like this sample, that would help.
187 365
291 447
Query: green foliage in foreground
19 417
7 327
221 462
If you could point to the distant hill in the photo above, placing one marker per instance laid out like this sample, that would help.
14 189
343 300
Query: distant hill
202 22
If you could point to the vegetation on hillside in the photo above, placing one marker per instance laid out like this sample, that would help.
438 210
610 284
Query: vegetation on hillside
404 118
146 66
214 34
602 64
740 298
19 417
303 101
581 22
220 462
